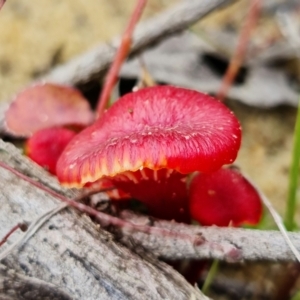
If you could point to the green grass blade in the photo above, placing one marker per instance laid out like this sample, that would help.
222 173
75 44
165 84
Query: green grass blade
293 178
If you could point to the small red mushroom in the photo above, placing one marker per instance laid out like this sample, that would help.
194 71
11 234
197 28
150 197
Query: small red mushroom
157 130
224 198
46 145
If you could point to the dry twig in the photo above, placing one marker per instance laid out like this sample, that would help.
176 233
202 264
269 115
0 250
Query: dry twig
241 48
2 3
122 52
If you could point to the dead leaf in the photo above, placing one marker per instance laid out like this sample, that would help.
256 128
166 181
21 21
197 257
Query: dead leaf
47 105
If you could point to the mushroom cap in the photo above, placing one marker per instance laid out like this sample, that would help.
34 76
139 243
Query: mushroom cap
224 197
156 127
47 105
46 145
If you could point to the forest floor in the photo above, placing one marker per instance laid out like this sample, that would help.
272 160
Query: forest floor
38 34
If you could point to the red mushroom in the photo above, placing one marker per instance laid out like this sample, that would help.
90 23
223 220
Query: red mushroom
224 198
47 105
147 135
46 145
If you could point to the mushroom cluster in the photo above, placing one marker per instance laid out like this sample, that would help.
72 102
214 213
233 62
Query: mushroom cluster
149 142
146 145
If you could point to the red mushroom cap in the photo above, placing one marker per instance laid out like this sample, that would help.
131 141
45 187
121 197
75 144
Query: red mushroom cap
47 105
157 127
224 197
46 145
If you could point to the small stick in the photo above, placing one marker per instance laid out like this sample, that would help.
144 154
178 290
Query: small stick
21 226
145 78
119 57
2 2
238 56
32 229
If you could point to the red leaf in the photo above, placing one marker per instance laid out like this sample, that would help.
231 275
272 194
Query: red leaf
47 105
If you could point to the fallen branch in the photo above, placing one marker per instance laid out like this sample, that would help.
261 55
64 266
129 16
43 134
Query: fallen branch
94 64
69 251
229 244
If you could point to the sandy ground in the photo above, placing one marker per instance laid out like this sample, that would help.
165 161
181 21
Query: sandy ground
36 34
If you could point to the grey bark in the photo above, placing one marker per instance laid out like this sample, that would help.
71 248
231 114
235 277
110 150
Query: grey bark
227 244
16 286
70 252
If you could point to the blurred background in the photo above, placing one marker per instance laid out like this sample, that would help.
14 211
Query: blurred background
37 35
